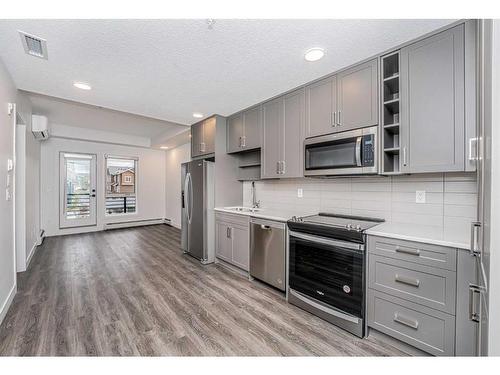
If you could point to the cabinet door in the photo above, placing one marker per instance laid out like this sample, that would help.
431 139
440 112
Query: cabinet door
357 94
252 120
271 132
223 245
209 135
432 78
241 247
234 133
321 103
196 139
292 139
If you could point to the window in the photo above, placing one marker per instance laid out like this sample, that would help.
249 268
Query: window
121 185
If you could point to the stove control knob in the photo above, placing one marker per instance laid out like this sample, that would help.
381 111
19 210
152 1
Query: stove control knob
349 226
294 218
358 228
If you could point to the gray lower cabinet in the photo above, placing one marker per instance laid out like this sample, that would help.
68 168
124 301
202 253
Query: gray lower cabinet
244 130
419 294
232 239
432 100
283 136
203 137
357 96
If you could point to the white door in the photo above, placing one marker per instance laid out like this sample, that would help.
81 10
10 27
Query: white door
77 190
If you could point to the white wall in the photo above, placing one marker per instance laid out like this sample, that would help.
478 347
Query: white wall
8 94
451 199
150 186
175 158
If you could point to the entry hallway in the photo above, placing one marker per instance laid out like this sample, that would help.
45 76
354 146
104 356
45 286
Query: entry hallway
133 292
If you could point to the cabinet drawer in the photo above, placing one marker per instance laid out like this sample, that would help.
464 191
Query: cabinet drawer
421 253
432 287
235 219
427 329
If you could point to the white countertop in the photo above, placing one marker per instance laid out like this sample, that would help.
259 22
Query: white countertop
421 233
410 232
265 213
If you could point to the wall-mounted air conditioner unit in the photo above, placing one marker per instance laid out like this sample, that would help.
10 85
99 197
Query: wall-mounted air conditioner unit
40 127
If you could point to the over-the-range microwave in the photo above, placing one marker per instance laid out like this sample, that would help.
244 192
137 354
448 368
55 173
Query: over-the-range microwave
351 152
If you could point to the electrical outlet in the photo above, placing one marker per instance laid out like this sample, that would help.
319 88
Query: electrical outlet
300 193
420 196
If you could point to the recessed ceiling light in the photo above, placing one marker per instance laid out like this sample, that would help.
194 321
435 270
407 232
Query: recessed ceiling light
314 54
164 147
197 115
82 86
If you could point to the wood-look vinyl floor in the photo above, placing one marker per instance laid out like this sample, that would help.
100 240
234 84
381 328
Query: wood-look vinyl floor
130 292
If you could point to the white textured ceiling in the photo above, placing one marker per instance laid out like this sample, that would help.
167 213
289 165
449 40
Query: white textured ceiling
168 69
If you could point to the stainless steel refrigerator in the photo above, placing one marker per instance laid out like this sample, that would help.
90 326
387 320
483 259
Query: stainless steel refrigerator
197 199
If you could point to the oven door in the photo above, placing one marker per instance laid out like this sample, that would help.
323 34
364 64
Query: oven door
328 270
351 152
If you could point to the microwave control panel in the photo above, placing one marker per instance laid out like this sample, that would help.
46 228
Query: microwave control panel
368 151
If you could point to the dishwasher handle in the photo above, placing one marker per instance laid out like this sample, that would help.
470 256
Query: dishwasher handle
265 227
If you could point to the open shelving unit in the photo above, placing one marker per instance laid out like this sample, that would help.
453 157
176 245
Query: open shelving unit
391 89
249 166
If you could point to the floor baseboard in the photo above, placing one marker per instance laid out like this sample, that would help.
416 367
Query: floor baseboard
32 252
7 303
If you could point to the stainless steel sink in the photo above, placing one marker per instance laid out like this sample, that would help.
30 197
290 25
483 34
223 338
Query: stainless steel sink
243 209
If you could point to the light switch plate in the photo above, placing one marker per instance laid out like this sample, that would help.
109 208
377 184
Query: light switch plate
420 196
300 193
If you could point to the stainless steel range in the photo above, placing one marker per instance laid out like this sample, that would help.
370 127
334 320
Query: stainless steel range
327 267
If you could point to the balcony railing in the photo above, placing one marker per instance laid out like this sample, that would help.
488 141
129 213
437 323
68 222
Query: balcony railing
120 204
77 205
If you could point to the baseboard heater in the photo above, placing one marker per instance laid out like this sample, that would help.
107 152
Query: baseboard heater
135 223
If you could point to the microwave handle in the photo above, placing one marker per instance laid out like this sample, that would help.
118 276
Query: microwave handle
358 151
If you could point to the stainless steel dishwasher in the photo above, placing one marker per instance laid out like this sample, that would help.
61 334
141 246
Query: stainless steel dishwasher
267 252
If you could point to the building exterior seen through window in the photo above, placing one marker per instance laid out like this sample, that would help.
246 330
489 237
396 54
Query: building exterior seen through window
121 186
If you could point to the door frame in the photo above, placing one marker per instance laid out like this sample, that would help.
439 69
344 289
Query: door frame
62 191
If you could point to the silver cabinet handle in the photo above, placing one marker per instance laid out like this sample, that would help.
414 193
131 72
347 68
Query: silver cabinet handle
334 119
239 145
474 229
339 123
409 322
265 227
473 155
415 252
404 156
229 232
243 141
473 291
202 146
283 167
407 280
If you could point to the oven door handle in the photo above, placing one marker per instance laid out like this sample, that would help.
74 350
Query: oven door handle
325 309
358 151
327 241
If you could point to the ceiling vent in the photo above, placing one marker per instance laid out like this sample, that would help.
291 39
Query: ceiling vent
34 45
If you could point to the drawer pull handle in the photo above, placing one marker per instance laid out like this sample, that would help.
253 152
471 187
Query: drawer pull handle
407 280
412 323
415 252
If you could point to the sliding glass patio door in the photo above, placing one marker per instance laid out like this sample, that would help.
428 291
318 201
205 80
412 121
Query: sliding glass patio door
77 190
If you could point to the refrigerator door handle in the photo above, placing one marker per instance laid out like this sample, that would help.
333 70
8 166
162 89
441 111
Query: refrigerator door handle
190 198
187 196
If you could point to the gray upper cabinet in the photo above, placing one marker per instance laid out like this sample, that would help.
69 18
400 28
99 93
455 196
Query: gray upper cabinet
292 139
243 130
432 99
357 96
272 117
321 107
203 137
235 132
283 136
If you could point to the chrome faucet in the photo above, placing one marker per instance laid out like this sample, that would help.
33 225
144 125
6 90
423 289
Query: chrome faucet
255 202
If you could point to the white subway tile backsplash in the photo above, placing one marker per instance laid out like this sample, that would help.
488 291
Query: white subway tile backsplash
451 198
